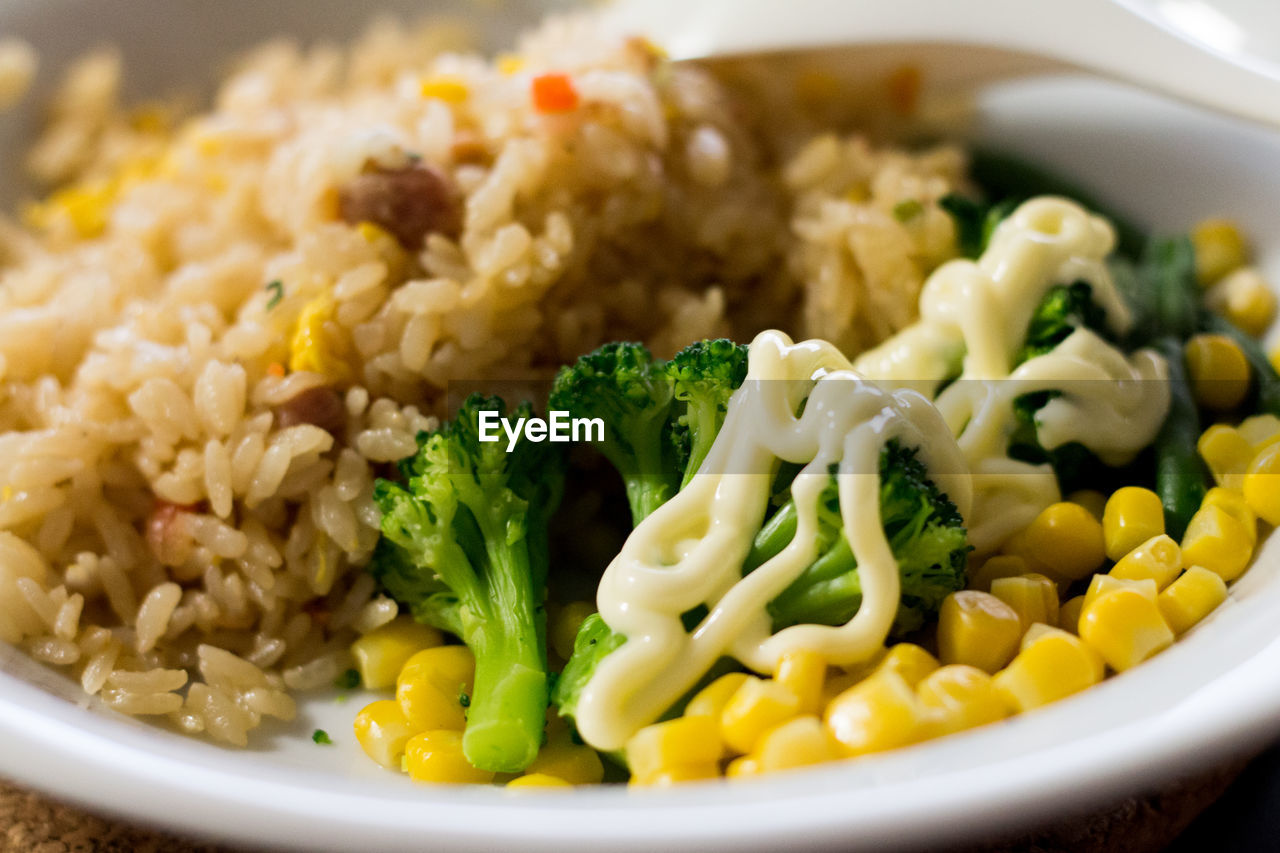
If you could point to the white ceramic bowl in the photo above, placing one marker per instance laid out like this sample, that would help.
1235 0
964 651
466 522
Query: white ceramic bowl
1217 692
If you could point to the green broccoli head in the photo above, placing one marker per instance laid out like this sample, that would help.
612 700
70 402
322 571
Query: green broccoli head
1064 309
626 387
925 531
660 418
975 221
704 375
594 642
926 534
464 547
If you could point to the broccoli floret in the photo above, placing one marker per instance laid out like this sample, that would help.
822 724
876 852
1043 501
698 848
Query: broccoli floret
594 642
464 547
626 387
925 531
975 221
705 375
1064 308
660 418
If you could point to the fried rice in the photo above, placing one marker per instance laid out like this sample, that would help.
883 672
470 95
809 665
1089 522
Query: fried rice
218 328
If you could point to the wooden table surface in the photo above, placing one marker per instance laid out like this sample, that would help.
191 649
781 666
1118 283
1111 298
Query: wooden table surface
31 823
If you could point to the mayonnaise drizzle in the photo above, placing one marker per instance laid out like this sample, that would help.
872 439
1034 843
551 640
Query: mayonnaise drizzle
974 316
973 320
691 550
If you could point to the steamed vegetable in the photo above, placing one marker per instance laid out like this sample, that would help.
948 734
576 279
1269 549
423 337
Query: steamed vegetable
464 547
704 376
925 533
1064 308
660 417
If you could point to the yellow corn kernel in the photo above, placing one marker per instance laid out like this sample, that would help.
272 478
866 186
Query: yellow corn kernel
1132 516
1191 598
431 687
878 713
840 679
386 245
564 627
674 743
959 697
978 629
1218 371
1107 583
1261 431
1233 503
710 700
1219 249
315 346
1033 597
436 756
1069 614
1064 540
381 653
910 661
1244 298
1159 558
382 732
1227 453
757 706
673 775
1125 628
561 758
510 63
1218 540
445 87
1035 632
999 566
1054 666
1094 501
1262 487
798 742
804 672
743 765
538 780
87 206
838 682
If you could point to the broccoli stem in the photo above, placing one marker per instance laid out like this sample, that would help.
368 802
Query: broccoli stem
829 591
775 535
509 703
508 708
646 492
703 427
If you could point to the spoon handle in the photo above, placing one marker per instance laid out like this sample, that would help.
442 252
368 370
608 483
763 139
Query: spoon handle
1100 36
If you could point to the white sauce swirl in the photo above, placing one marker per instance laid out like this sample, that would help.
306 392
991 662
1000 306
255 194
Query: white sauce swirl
974 317
690 551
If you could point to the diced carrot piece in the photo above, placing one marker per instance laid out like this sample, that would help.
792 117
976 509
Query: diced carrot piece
554 93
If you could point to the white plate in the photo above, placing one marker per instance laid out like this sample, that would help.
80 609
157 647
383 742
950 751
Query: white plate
1215 693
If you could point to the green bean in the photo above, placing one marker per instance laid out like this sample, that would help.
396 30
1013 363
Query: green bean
1180 473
